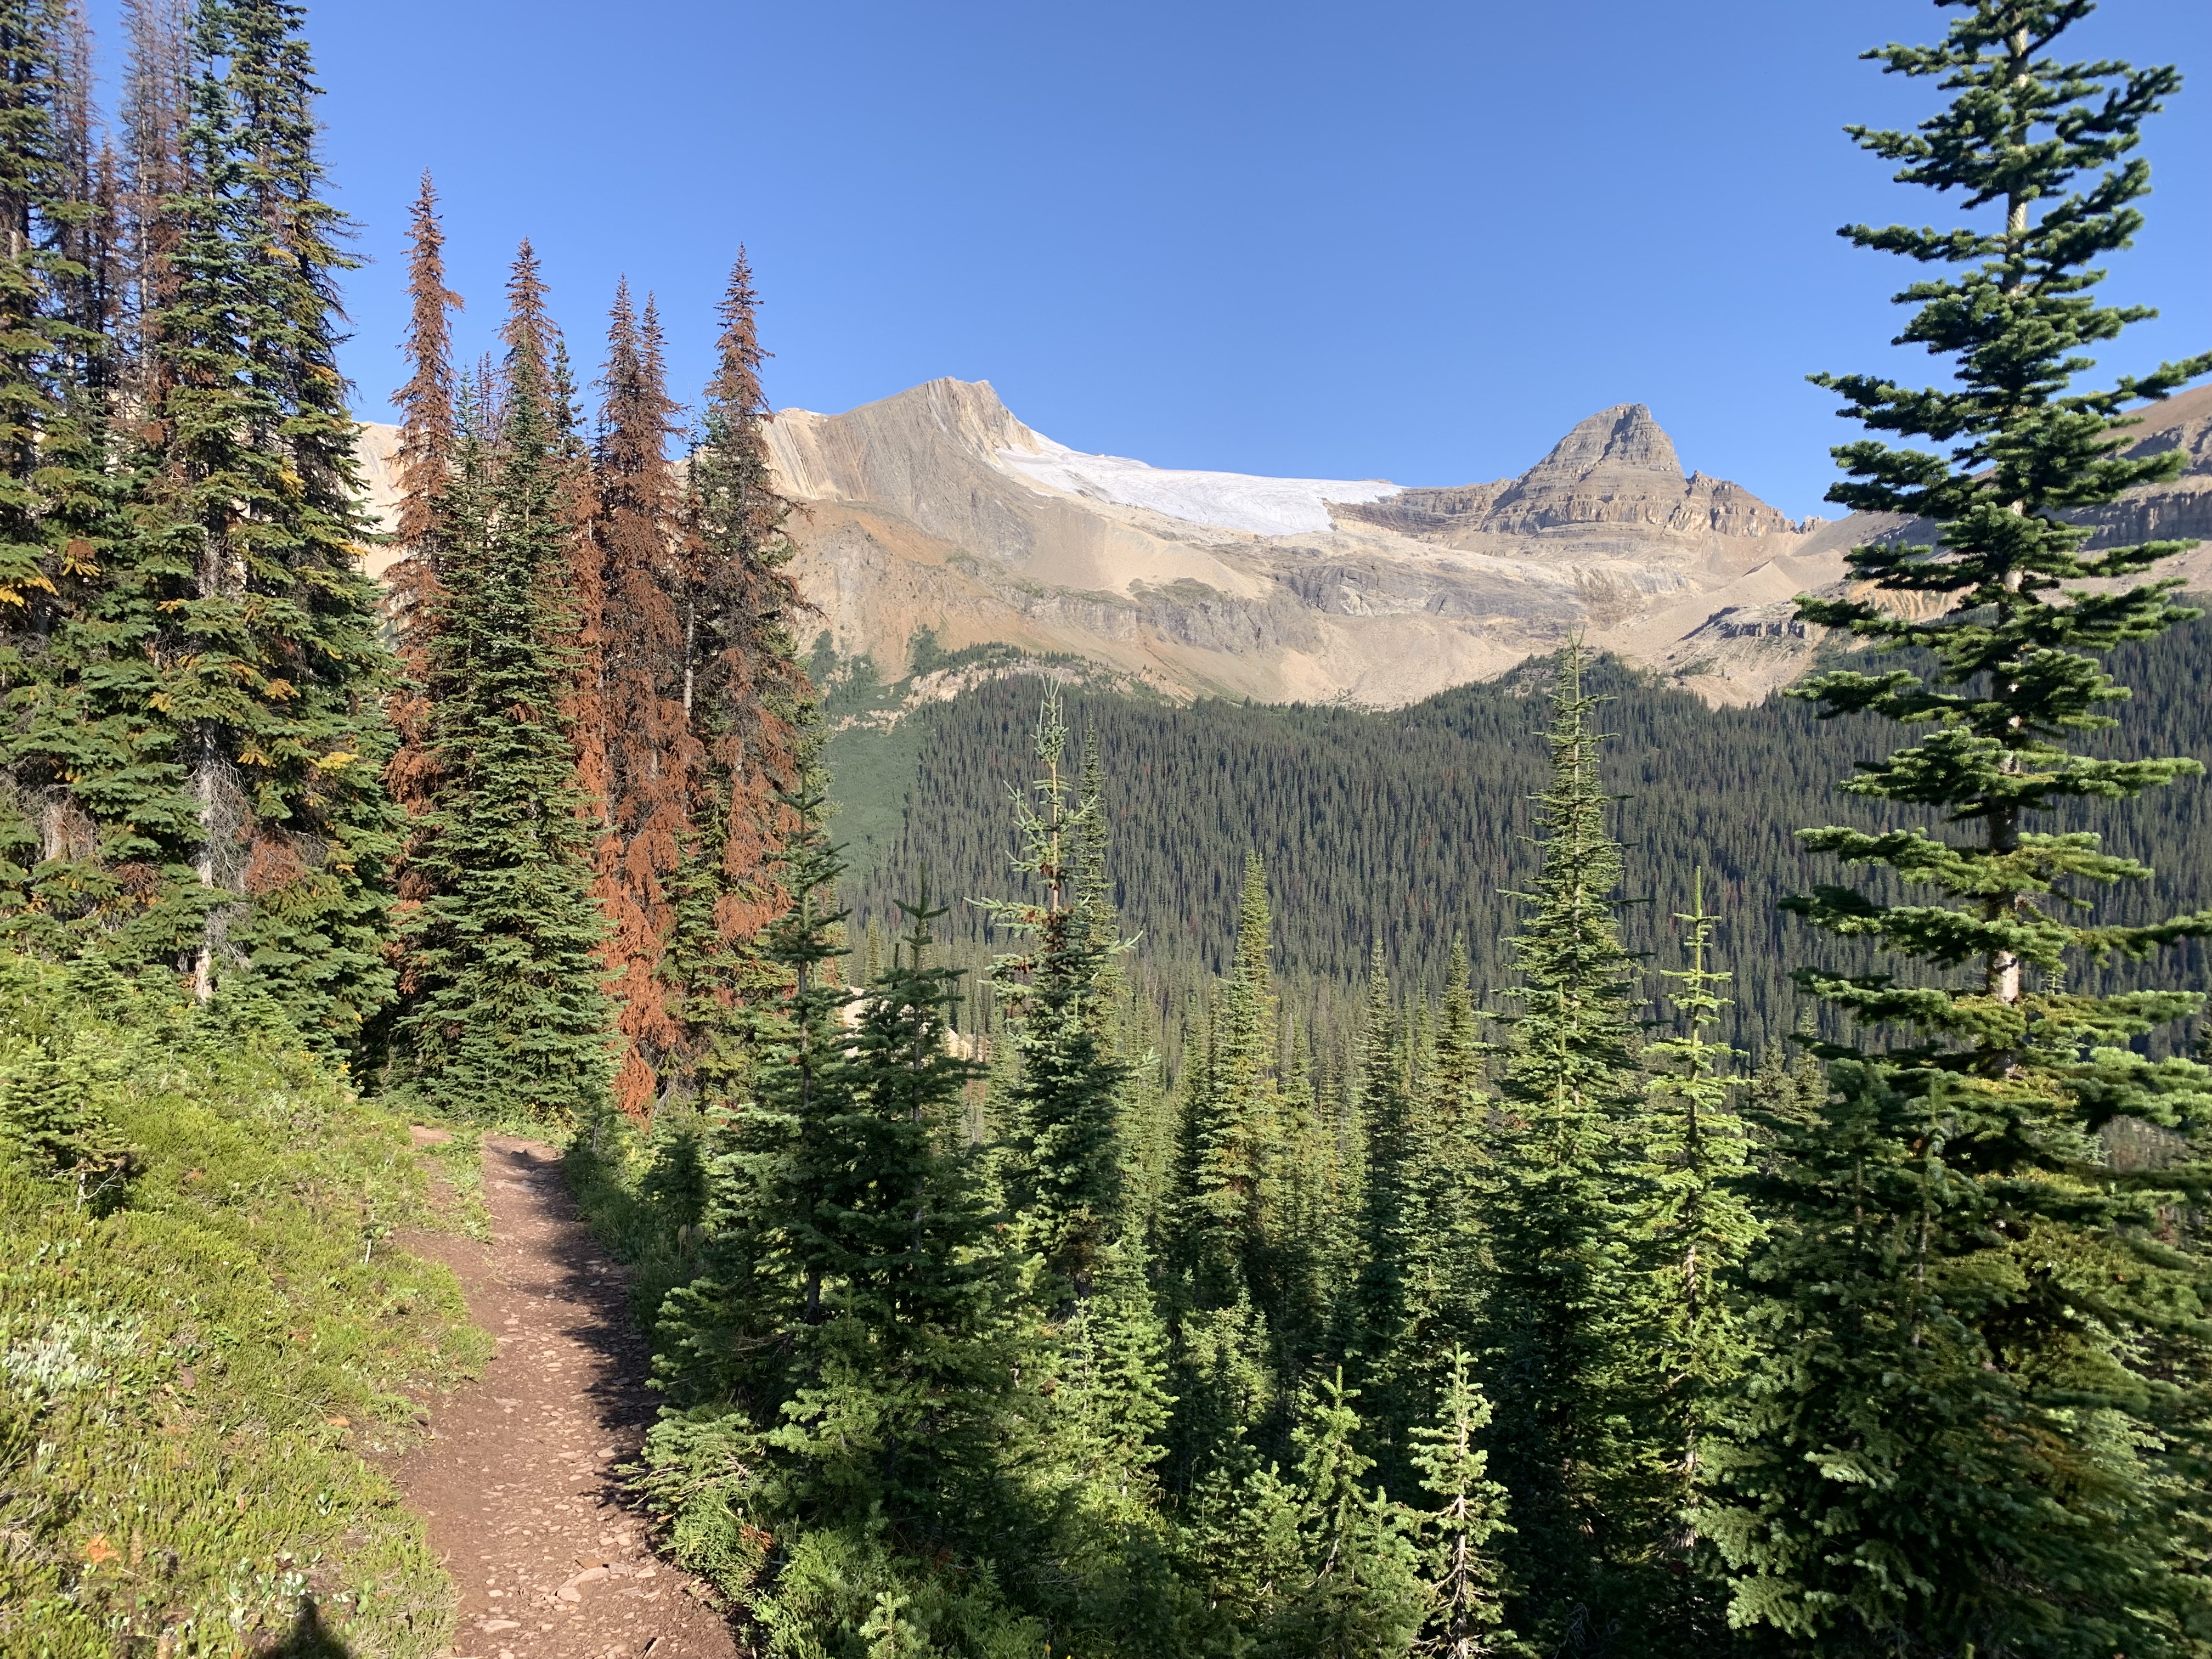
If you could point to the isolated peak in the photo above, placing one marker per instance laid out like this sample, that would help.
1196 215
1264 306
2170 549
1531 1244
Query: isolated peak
1624 437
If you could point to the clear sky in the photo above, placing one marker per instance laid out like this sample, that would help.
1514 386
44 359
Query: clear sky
1408 239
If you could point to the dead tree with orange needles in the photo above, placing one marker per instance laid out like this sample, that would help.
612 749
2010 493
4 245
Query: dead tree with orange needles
652 757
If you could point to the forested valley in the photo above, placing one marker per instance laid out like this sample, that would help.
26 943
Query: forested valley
1556 1169
1412 829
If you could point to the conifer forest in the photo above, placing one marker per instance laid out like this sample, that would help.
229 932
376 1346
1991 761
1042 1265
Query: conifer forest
1554 1169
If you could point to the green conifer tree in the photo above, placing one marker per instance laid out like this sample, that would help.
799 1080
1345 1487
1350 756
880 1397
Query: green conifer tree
1695 1228
1465 1606
727 1338
1362 1593
246 586
1114 1381
1556 1338
1313 1248
1060 1159
1231 1111
509 1017
1227 1374
1453 1178
66 753
1374 1317
907 1407
1094 891
1980 1427
750 707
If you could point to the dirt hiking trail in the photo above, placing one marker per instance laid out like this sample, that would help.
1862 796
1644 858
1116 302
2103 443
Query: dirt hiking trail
516 1477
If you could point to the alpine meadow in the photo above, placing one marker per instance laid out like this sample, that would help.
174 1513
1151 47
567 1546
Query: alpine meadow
634 1023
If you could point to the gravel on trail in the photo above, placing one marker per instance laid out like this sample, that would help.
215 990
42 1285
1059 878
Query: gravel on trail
517 1474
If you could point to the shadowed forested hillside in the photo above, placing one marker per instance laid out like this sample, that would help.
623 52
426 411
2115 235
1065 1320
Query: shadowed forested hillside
1411 826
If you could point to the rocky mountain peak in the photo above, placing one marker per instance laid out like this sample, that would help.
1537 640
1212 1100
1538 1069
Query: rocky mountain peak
1615 470
1619 467
1623 439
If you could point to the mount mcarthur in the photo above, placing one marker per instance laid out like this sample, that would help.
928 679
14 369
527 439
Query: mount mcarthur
936 509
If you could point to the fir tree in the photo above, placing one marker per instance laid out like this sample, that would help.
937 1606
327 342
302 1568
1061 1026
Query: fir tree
156 104
1230 1113
1362 1593
63 752
509 1017
1061 1160
1453 1179
1114 1373
1094 889
1313 1244
1979 1426
729 1336
746 701
1391 1228
424 462
907 1389
1695 1227
1466 1608
245 588
1555 1335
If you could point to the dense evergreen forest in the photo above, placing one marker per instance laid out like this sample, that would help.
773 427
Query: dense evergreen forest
1411 828
1373 1213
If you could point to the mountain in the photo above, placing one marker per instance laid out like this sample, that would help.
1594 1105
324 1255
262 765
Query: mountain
1764 639
935 518
936 513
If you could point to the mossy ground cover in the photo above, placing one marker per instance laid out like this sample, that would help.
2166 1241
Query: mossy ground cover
199 1343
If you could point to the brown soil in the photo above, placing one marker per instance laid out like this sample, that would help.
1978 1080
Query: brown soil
517 1476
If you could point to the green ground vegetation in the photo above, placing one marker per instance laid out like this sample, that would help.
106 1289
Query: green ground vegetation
206 1321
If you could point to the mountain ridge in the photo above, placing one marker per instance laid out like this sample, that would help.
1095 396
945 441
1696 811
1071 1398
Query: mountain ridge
937 510
937 513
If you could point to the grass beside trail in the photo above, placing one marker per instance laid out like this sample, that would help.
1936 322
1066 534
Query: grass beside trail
203 1323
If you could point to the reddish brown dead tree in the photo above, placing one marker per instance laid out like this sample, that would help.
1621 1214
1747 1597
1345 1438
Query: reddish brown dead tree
651 755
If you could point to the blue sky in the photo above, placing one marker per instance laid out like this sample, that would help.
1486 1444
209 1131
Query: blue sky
1408 239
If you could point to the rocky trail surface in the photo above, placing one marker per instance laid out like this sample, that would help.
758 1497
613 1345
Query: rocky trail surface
517 1477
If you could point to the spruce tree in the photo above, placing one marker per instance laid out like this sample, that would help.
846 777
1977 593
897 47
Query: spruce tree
197 736
1374 1317
1452 1177
1228 1367
246 589
747 704
1555 1328
910 1386
1362 1593
508 1018
1694 1227
64 750
1061 1160
425 467
1114 1380
1094 886
729 1337
1466 1609
1980 1428
1230 1110
1313 1223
